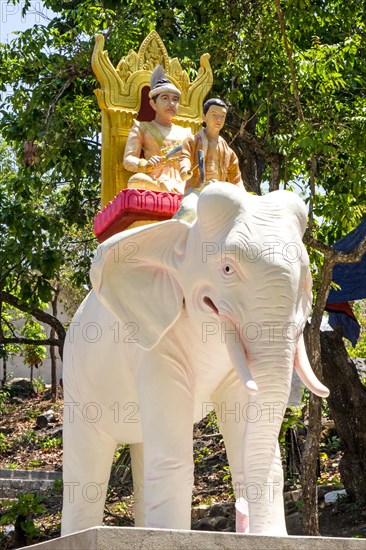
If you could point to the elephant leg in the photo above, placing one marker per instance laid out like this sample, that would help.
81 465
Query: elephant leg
137 464
166 407
87 460
230 403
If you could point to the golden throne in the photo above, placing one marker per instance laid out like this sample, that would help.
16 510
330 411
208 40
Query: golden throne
123 96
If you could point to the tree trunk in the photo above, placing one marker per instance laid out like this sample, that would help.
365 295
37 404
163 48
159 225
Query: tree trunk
53 369
53 350
3 381
275 177
347 404
251 167
250 151
309 470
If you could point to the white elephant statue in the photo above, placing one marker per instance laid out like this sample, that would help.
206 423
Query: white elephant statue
186 318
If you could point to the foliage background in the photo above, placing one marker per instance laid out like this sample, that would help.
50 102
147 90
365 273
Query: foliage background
50 123
294 74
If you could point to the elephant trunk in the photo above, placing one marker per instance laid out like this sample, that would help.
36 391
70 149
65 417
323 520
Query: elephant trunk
238 357
271 363
261 461
262 466
306 373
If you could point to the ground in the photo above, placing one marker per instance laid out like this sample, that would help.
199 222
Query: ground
24 446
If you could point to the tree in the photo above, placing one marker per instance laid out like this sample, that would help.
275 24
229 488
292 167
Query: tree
23 256
294 74
33 355
348 393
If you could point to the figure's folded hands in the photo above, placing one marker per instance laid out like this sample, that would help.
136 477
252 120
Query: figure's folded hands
154 162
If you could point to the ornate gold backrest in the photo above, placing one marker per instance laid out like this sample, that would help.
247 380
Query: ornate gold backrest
120 99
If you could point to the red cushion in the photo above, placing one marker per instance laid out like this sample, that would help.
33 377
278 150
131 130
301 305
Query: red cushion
131 205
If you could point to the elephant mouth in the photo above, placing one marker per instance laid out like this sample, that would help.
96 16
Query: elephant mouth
208 302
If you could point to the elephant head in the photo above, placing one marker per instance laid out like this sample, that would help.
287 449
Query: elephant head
259 273
241 264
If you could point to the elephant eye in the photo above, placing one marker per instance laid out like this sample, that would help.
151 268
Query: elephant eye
228 269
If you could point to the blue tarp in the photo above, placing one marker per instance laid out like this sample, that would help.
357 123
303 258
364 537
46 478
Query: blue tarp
352 281
350 277
340 315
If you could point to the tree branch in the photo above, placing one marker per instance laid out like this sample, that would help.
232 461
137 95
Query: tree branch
318 245
290 61
254 143
10 327
322 295
352 256
331 258
29 341
37 314
313 167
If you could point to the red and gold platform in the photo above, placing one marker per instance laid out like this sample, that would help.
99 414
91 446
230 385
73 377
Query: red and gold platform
133 207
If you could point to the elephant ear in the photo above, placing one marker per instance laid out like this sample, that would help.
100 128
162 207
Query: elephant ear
134 276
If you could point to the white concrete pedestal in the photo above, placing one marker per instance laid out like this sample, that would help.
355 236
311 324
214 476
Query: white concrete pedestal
130 538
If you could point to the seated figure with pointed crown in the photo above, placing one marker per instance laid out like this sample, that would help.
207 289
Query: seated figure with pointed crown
153 148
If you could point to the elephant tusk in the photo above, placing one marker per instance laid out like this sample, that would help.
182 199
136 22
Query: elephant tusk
237 356
306 373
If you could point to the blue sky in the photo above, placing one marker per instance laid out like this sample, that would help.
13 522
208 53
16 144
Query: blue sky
11 17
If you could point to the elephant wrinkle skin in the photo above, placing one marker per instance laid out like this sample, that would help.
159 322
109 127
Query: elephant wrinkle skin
186 318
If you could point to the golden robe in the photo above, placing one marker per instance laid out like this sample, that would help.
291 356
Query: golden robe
150 139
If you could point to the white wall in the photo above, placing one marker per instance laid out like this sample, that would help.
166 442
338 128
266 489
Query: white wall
15 364
17 369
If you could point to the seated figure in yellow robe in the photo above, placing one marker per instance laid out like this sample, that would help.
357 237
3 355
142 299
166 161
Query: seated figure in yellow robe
157 140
